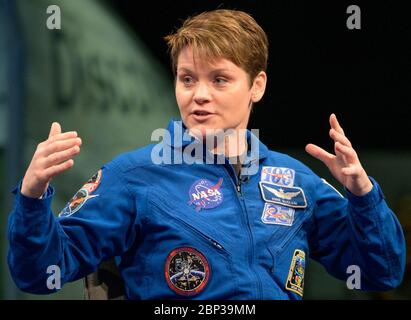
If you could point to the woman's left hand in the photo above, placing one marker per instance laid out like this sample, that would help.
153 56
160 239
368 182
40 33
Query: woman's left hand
344 165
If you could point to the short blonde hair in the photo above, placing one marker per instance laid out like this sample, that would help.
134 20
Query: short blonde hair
222 33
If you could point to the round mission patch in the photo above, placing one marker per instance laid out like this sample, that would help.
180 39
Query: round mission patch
187 271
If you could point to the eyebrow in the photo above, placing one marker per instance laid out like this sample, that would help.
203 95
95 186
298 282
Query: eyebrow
213 71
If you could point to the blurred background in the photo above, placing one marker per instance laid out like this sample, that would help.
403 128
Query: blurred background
106 74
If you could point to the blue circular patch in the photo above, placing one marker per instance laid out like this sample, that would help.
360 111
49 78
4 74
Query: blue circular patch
206 195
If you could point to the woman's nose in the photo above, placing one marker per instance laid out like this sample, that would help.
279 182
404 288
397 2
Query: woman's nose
202 93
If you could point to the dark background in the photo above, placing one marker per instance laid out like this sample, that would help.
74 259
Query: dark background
316 66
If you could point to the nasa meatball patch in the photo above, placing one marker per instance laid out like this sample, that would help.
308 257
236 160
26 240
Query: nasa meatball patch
205 194
187 271
81 196
295 279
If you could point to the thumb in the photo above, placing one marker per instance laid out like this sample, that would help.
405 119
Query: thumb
55 129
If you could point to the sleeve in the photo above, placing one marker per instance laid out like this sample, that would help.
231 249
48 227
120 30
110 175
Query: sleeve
358 231
96 224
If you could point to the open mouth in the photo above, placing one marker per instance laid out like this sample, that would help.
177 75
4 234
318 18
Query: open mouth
201 113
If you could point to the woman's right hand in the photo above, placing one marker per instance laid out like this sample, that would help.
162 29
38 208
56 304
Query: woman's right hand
51 158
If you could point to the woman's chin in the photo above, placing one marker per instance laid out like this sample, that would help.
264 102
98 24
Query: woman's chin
199 131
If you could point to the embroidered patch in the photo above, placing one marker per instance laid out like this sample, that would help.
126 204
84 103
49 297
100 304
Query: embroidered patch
287 196
93 182
276 214
81 196
295 279
278 175
206 195
187 271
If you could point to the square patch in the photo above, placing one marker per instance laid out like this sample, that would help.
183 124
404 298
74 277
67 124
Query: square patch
278 175
276 214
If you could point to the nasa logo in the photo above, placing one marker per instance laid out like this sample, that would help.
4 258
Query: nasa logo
205 195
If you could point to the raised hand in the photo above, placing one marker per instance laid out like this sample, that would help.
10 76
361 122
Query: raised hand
344 164
51 158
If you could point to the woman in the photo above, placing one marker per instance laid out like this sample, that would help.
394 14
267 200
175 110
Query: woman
207 229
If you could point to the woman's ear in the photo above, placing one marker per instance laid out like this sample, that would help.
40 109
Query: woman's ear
258 88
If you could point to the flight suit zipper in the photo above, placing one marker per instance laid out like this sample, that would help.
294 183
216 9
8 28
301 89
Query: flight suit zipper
188 226
237 184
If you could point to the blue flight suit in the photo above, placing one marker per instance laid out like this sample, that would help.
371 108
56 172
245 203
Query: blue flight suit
197 231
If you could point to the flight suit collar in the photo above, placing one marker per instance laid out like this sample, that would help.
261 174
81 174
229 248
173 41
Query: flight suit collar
181 139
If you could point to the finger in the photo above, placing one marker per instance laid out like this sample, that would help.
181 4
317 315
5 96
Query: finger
335 124
62 136
319 153
336 136
349 153
57 169
351 171
62 156
55 129
60 145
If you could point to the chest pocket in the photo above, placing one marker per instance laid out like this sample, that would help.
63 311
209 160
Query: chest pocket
284 238
284 242
179 236
283 235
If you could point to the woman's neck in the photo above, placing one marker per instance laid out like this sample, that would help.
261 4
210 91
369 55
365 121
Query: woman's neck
230 143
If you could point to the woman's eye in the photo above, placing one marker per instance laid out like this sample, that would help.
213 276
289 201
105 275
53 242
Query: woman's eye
187 80
220 81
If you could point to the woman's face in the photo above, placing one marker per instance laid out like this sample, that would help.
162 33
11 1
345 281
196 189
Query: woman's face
214 95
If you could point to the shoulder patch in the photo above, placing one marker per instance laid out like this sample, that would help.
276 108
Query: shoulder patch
82 195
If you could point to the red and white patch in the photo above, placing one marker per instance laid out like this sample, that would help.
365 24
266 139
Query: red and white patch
187 271
93 182
81 196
